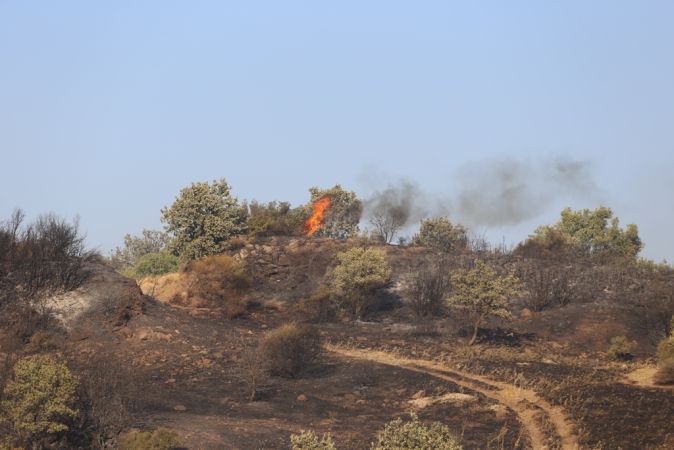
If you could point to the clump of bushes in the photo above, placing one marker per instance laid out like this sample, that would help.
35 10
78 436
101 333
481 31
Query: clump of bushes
427 288
319 305
290 349
38 404
442 235
159 439
153 264
621 348
275 219
665 373
359 273
415 435
307 440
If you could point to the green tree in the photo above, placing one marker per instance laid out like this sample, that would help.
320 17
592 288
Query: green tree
38 402
482 292
594 232
415 435
441 234
202 219
343 215
358 274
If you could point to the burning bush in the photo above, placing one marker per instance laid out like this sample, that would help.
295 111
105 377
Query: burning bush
290 349
336 213
359 273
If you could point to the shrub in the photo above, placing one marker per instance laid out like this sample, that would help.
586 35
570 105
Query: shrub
202 218
275 219
666 349
343 215
665 373
290 349
621 348
219 280
319 305
159 439
38 401
358 274
135 247
427 288
307 440
153 264
442 235
547 287
414 435
593 232
482 292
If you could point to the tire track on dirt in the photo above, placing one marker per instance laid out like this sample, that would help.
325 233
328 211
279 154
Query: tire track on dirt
526 403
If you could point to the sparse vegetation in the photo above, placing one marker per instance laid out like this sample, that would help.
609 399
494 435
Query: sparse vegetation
159 439
153 264
441 234
202 219
482 292
415 435
135 247
621 348
307 440
275 219
38 402
665 372
290 349
359 273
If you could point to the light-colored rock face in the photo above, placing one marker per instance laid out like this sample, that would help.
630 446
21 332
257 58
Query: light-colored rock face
104 291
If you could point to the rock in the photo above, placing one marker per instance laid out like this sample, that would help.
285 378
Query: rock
526 313
170 381
180 408
302 398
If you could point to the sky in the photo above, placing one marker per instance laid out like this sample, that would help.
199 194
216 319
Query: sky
107 109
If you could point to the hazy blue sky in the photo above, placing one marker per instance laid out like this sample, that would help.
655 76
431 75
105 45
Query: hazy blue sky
108 108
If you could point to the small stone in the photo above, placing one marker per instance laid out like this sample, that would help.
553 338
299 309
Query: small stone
302 398
180 408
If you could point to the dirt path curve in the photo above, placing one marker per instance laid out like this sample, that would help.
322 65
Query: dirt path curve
532 410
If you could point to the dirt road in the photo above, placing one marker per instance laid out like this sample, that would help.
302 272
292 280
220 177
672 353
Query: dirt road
539 418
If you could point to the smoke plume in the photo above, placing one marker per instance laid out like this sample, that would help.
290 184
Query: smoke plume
491 193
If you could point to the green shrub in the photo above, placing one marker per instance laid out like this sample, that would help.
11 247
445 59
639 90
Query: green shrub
414 435
481 292
342 217
620 348
154 264
38 401
666 349
441 234
665 373
159 439
289 349
275 219
359 273
307 440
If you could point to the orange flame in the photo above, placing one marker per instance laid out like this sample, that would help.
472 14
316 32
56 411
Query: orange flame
314 223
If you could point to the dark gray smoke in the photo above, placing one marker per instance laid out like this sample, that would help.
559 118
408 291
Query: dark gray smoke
509 191
488 193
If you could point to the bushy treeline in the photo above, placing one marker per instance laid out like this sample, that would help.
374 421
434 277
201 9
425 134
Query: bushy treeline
206 216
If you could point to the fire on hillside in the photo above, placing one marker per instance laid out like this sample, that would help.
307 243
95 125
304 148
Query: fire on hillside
315 222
